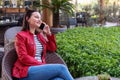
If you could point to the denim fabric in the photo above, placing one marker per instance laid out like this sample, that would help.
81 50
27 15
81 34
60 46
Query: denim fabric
48 72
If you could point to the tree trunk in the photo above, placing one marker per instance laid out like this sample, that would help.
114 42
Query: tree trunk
56 19
47 16
76 5
102 19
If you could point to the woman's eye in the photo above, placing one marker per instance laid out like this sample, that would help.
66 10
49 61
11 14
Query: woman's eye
37 17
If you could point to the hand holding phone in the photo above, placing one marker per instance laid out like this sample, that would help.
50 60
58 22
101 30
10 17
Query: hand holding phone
42 26
45 28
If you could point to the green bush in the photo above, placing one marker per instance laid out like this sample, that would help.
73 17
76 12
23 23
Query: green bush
91 51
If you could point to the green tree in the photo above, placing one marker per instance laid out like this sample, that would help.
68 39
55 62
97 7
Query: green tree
56 6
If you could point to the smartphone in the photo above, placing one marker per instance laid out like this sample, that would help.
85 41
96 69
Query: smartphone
42 26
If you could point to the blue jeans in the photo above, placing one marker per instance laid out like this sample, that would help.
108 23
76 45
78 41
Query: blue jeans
48 72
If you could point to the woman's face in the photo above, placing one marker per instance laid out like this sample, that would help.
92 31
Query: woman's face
35 20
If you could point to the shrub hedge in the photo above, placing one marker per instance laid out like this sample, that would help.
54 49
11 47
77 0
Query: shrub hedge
90 51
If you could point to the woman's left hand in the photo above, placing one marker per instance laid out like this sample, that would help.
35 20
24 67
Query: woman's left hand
46 30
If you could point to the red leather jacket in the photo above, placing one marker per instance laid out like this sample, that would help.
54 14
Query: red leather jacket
25 48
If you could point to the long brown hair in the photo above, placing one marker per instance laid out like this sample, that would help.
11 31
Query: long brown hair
25 22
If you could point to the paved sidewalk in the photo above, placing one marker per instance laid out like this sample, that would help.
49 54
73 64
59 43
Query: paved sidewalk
94 78
110 24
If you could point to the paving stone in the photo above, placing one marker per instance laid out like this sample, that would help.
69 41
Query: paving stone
94 78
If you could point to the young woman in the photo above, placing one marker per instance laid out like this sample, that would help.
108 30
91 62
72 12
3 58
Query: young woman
31 46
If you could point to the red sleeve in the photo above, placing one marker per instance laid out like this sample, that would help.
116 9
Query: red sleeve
23 56
51 44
